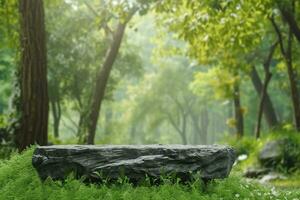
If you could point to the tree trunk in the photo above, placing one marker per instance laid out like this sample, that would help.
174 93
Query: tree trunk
288 57
101 82
204 125
268 108
239 119
196 127
179 125
54 98
33 80
261 104
293 82
289 17
200 124
183 132
268 76
230 114
183 138
196 136
80 127
56 113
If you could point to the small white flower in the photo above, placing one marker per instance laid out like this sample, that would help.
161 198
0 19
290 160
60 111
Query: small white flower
242 157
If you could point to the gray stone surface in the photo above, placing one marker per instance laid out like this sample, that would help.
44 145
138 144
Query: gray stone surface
272 153
133 161
271 177
254 172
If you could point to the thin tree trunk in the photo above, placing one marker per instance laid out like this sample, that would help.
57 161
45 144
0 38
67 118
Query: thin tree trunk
183 132
230 115
56 113
33 81
238 112
80 127
183 138
287 55
268 76
293 83
196 135
204 125
54 98
261 104
200 124
290 18
101 82
196 126
268 108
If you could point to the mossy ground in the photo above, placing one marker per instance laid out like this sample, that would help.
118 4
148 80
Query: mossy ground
19 180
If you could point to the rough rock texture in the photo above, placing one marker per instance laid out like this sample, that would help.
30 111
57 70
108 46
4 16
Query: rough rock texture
133 161
271 177
272 153
284 153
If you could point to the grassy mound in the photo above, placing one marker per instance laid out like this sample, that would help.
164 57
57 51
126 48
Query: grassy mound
18 180
252 147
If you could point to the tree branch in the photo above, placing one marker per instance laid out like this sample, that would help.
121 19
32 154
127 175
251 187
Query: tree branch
268 60
103 23
173 122
290 19
279 35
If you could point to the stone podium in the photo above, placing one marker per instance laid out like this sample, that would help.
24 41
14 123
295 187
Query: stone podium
111 162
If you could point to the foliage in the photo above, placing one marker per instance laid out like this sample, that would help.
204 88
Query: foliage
292 181
290 162
159 101
18 180
6 146
6 150
246 145
8 50
232 36
72 72
207 27
216 79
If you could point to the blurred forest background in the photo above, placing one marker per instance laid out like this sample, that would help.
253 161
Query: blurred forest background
144 72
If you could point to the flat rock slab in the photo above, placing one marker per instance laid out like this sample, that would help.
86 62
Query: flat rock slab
96 163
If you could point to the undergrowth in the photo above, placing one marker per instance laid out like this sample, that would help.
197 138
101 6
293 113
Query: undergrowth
19 180
251 147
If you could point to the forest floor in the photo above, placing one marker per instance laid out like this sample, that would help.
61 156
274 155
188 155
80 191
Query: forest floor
19 180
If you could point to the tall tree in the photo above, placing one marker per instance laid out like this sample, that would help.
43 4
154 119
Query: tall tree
287 54
55 102
33 76
238 111
205 26
263 94
101 81
102 76
225 86
268 108
288 14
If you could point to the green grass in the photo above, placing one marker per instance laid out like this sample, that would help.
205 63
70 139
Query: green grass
18 180
251 147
